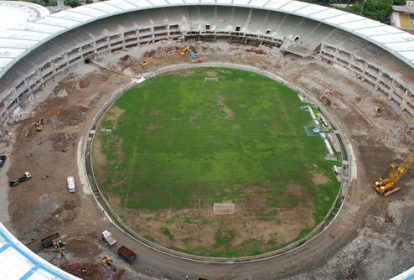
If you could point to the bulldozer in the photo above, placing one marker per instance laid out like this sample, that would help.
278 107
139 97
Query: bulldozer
388 185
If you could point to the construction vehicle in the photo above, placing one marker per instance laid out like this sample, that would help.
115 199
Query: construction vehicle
58 245
50 240
107 236
27 176
377 111
2 160
106 261
39 124
388 185
191 53
128 255
185 50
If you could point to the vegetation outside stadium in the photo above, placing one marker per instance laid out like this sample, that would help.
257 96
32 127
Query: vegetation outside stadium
170 148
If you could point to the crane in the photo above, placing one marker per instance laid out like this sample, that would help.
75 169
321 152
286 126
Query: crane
388 185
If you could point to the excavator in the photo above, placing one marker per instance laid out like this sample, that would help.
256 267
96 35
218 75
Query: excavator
191 53
388 185
185 50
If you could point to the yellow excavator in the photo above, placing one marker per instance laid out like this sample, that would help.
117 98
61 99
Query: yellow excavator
185 50
388 185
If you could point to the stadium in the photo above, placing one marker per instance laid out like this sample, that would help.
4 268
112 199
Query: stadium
63 70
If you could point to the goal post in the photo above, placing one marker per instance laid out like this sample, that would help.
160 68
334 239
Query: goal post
210 79
223 208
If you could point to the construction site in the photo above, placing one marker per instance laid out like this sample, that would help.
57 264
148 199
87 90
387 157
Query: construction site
46 134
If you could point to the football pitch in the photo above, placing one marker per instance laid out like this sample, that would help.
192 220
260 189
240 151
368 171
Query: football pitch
180 142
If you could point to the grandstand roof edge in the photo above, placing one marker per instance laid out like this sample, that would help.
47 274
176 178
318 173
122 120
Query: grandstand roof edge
38 264
329 15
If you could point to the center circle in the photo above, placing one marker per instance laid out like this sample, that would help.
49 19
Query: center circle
216 162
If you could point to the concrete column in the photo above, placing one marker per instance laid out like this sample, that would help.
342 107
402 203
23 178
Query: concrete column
390 91
52 63
404 100
249 17
336 54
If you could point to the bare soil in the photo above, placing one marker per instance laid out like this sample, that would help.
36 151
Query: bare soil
319 179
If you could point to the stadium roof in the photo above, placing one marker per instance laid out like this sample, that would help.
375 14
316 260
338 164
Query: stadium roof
17 262
18 41
13 13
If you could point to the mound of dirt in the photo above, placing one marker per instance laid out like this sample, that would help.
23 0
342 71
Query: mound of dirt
82 247
85 270
84 84
256 51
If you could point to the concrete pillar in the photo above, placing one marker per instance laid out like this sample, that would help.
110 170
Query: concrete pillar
390 91
404 100
61 5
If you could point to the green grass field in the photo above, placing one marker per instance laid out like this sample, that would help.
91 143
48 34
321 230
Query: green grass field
181 139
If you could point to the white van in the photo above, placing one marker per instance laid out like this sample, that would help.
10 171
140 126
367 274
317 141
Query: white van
71 184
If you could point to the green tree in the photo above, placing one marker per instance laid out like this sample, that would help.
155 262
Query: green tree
399 2
72 3
374 9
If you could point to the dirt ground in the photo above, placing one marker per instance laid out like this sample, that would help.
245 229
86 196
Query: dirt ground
369 240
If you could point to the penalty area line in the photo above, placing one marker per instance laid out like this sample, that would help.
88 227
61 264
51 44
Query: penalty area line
134 156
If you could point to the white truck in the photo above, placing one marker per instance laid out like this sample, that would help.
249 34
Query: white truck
107 236
71 184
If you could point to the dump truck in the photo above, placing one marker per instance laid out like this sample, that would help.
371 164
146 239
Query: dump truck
128 255
27 176
48 241
107 236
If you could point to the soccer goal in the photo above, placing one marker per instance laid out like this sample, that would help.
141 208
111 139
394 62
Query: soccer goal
210 79
223 208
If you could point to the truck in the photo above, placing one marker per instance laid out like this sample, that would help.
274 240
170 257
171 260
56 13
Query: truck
127 254
2 160
47 242
27 176
107 236
71 184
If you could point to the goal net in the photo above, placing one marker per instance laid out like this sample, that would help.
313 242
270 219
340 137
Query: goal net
207 79
223 208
